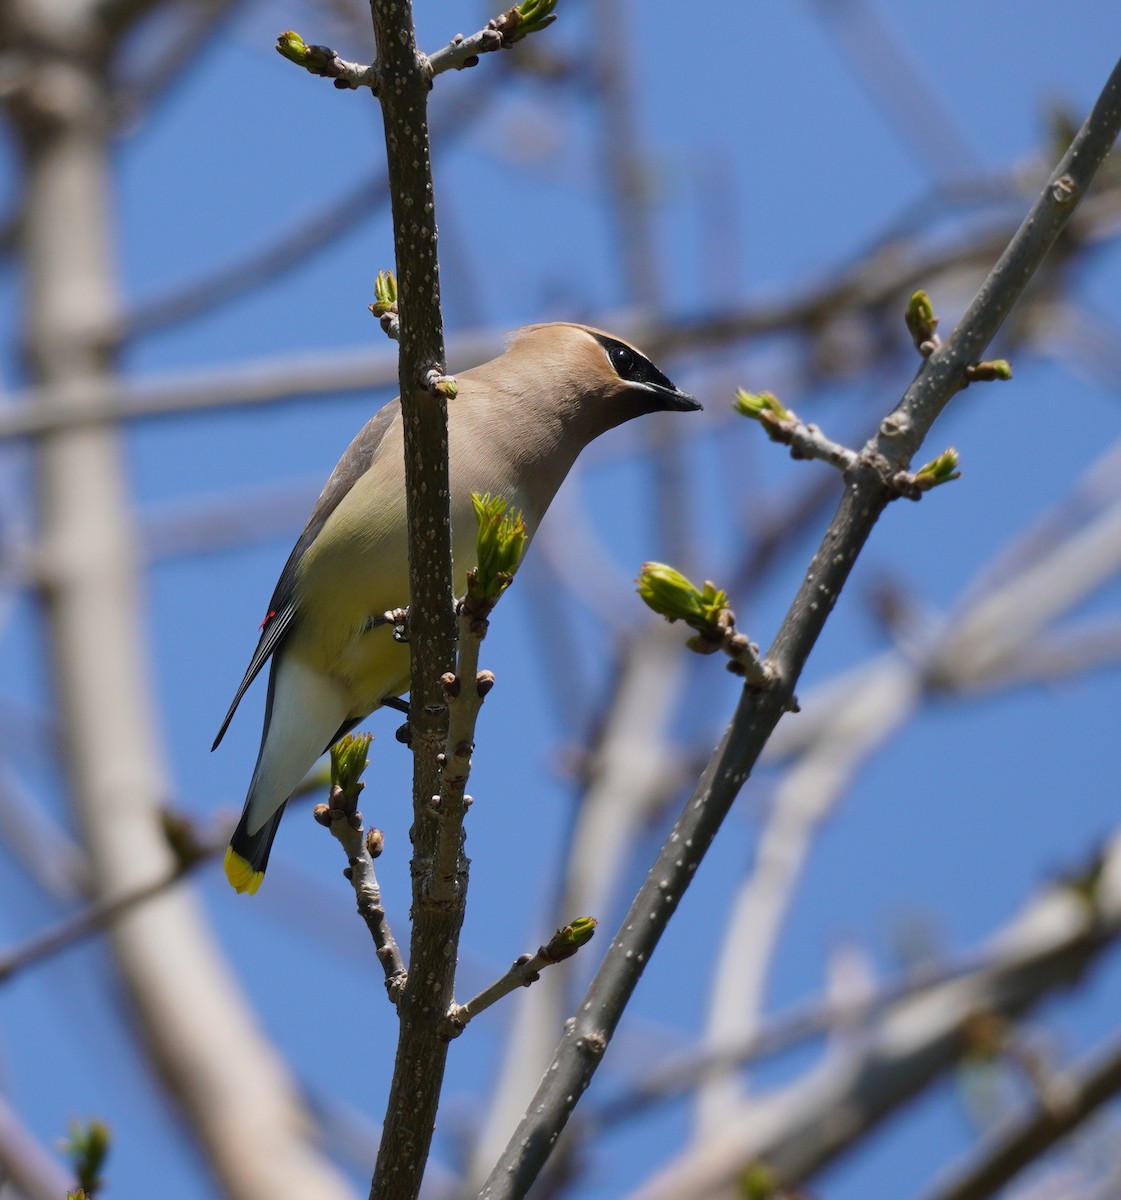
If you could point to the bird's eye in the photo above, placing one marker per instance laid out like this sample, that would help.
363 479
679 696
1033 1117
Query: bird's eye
623 360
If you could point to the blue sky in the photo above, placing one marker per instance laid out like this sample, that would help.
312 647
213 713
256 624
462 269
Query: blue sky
770 166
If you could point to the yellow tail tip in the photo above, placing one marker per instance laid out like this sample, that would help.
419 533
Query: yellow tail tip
240 873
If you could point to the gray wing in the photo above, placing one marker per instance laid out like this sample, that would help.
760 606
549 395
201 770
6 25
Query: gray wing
354 463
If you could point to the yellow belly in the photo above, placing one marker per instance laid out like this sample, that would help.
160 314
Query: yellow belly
347 580
357 567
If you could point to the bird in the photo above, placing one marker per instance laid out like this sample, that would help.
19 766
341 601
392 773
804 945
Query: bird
515 427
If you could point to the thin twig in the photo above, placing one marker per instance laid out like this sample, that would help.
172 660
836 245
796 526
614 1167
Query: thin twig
499 33
367 893
97 917
463 51
341 816
784 426
323 61
524 971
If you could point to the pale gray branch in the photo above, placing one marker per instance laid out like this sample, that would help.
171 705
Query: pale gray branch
26 1165
292 248
896 82
270 381
867 287
798 1129
1024 1138
203 1042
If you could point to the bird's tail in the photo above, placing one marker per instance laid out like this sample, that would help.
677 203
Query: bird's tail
248 853
303 709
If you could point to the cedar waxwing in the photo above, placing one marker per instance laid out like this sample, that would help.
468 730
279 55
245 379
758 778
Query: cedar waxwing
515 428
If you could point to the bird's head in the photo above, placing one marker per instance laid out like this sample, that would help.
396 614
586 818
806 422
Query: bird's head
598 380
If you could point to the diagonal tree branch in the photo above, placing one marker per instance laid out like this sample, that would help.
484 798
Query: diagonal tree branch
32 1172
867 494
1024 1138
291 249
799 1129
994 640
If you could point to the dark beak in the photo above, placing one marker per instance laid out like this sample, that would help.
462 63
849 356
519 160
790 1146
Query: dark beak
674 400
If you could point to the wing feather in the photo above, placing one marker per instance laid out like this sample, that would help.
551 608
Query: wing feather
283 609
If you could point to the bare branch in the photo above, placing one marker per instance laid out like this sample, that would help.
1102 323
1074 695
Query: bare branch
197 22
271 381
31 1171
421 1054
99 915
820 1018
524 971
800 1128
992 638
498 34
865 289
579 1053
783 425
1024 1138
341 816
897 84
202 1040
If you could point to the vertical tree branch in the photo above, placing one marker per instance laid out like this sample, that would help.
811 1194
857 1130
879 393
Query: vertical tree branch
421 1055
234 1092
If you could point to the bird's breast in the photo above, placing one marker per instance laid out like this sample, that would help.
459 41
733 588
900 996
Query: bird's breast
357 569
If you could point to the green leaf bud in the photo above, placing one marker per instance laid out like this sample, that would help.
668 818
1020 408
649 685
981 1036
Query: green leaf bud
761 406
921 321
676 598
565 942
385 294
348 761
938 471
500 543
